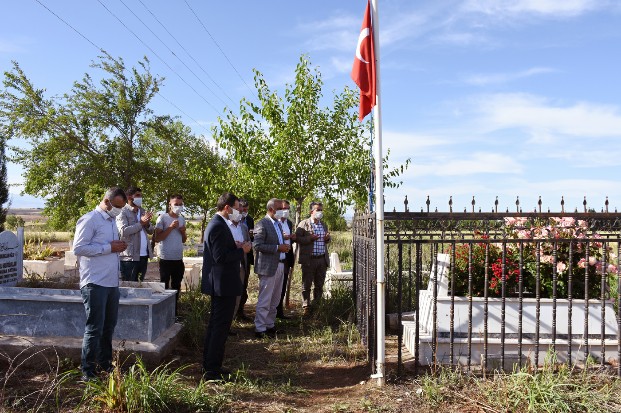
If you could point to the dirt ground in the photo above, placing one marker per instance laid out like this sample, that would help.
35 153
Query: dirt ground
320 385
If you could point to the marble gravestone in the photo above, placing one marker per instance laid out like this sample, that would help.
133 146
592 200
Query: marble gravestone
10 259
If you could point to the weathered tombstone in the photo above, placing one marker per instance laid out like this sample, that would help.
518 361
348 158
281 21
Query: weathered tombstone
10 259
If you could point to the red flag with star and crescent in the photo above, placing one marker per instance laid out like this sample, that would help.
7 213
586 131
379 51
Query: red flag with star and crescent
363 72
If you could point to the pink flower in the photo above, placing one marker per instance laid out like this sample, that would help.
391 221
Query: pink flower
510 221
582 224
582 263
561 267
612 268
524 234
568 222
592 261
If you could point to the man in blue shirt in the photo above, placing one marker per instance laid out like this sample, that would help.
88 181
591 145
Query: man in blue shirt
97 246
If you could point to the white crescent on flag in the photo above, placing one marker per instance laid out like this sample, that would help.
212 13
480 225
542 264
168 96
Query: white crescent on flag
364 33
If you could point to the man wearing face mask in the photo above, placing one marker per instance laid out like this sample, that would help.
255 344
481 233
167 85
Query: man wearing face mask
222 260
269 244
97 246
289 235
171 234
313 237
134 224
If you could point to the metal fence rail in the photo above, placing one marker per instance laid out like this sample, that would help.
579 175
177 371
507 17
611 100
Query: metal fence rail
491 291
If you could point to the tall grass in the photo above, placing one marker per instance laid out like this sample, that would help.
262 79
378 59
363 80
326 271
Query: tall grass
161 390
553 388
193 309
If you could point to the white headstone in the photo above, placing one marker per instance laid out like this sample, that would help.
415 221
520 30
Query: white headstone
10 259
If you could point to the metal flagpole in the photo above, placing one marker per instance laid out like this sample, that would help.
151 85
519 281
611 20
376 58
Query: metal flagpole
379 207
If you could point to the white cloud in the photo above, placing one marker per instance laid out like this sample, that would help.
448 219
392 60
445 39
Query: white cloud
456 164
495 78
517 8
538 114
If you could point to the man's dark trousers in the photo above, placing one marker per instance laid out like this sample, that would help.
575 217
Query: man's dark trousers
217 332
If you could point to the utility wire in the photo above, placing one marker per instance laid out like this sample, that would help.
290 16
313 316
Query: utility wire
158 56
186 51
103 51
171 51
219 48
70 26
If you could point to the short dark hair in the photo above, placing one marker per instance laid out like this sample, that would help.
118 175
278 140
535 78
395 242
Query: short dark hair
132 190
285 201
243 202
312 205
175 196
114 192
225 199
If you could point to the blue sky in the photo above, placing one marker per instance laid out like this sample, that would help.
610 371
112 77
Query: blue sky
488 98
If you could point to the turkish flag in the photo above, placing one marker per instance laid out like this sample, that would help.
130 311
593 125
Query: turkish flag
363 72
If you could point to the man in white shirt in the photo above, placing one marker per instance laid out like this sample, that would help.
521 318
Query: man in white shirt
97 246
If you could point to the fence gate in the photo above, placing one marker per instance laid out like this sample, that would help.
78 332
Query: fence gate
364 246
485 291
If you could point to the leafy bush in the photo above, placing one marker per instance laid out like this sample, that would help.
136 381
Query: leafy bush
13 222
37 251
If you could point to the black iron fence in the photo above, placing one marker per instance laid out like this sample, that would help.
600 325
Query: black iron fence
498 290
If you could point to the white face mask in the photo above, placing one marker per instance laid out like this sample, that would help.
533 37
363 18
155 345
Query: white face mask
177 209
285 213
318 214
138 201
234 216
114 212
279 214
244 214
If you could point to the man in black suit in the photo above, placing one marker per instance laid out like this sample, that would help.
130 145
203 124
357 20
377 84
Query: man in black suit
249 222
221 266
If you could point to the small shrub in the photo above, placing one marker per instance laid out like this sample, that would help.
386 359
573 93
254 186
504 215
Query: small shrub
13 222
37 251
193 308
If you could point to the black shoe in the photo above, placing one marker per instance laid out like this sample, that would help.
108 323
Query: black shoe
282 316
88 377
260 334
243 317
271 332
233 333
222 376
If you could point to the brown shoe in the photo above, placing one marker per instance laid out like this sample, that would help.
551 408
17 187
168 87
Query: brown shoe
306 312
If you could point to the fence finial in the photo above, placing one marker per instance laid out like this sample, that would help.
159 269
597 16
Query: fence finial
473 203
585 204
428 203
451 203
562 204
406 202
606 203
496 204
539 203
517 204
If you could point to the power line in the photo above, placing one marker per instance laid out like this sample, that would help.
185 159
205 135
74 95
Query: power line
158 56
171 51
219 48
186 51
70 26
103 51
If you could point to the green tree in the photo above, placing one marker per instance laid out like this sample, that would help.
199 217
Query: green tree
293 148
91 138
192 167
4 186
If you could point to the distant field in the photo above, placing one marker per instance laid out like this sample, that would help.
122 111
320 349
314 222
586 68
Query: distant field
28 214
